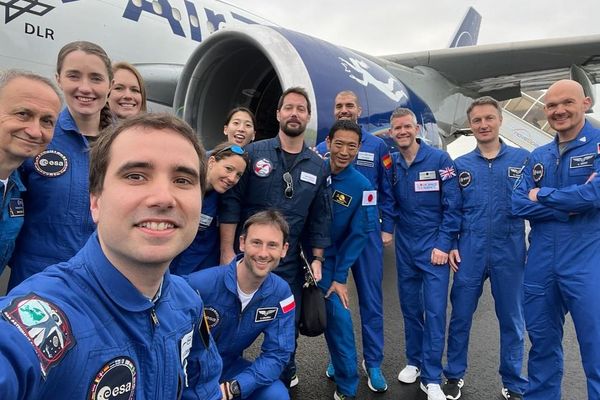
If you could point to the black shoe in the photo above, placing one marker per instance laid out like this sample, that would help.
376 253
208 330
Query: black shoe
508 395
452 388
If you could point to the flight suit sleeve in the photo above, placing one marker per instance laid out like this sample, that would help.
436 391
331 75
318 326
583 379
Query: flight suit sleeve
525 208
385 193
277 347
20 372
363 221
451 206
204 366
320 215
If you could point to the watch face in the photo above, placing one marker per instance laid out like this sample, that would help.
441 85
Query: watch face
234 387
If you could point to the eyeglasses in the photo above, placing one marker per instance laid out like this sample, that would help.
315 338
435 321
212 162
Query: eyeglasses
234 148
289 188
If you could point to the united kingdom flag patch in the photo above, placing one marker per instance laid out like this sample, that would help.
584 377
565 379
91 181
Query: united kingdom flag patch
447 173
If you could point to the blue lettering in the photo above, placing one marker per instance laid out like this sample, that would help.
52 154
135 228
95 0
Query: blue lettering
214 19
134 12
194 21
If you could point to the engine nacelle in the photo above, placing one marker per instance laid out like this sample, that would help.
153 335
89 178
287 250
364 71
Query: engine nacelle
251 66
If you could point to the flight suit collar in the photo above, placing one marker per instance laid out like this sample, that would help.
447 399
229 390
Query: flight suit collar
502 150
66 123
422 153
116 286
583 137
15 177
301 156
231 279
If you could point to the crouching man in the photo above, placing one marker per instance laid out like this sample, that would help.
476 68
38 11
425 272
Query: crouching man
244 300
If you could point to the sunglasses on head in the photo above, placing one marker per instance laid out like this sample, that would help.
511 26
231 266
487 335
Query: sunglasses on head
234 148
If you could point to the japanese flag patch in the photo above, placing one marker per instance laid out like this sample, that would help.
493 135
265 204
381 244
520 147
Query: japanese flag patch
288 304
369 198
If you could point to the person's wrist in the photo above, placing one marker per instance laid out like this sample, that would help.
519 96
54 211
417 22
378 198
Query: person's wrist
234 388
319 258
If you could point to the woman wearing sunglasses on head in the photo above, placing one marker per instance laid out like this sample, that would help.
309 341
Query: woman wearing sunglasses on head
226 164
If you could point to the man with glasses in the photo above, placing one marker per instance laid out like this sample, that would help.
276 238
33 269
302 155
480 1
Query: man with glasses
284 174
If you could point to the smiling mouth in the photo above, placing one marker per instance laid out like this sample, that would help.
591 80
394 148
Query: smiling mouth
156 226
85 99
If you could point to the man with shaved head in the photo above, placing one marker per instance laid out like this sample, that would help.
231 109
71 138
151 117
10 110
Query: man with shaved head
559 193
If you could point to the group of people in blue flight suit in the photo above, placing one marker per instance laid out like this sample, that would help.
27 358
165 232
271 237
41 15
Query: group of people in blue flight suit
464 216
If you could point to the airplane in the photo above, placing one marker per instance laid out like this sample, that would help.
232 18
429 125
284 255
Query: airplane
202 57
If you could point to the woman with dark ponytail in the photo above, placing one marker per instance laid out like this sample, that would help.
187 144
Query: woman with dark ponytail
57 217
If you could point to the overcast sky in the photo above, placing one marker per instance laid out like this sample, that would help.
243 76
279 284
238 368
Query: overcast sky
382 27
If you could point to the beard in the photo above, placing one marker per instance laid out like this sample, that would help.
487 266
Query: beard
292 132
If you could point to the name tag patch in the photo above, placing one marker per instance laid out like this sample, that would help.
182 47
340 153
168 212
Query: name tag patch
586 160
427 186
44 325
310 178
363 155
364 163
514 172
427 175
266 314
16 208
341 198
205 221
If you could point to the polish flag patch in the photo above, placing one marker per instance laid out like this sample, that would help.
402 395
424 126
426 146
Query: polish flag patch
387 161
369 198
288 304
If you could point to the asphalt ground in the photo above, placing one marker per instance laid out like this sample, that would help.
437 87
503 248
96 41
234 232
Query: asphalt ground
482 381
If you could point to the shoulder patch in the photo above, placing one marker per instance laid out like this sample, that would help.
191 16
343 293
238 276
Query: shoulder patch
266 314
51 163
341 198
263 167
538 172
464 179
212 316
115 380
369 198
44 325
447 173
288 304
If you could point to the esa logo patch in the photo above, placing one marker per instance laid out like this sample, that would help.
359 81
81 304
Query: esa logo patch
44 325
263 168
538 172
51 163
341 198
212 316
265 314
464 179
116 380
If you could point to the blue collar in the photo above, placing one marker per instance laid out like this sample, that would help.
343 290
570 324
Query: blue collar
116 286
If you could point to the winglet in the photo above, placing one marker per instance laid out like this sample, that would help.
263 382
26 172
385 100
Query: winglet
468 31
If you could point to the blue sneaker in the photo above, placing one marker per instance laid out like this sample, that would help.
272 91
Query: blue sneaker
330 371
376 380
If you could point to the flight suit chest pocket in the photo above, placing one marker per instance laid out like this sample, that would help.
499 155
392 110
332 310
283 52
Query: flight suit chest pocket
581 166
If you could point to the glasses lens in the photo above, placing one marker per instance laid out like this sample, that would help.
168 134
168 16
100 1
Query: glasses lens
237 149
289 189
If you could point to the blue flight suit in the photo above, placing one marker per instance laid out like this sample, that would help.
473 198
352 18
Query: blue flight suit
11 216
205 250
375 163
428 217
491 245
58 221
80 329
354 218
561 271
308 211
270 312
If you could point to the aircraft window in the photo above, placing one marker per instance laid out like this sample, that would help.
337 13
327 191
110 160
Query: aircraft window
137 3
157 7
194 21
176 13
519 106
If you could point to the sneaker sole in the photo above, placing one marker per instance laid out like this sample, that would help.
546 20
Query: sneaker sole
330 377
364 366
294 382
460 384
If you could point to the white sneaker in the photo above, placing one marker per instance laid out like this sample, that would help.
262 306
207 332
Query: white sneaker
409 374
434 391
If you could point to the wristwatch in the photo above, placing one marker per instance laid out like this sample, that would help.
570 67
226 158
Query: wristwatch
234 388
319 258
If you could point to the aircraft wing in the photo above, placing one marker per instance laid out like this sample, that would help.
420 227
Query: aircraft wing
504 70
